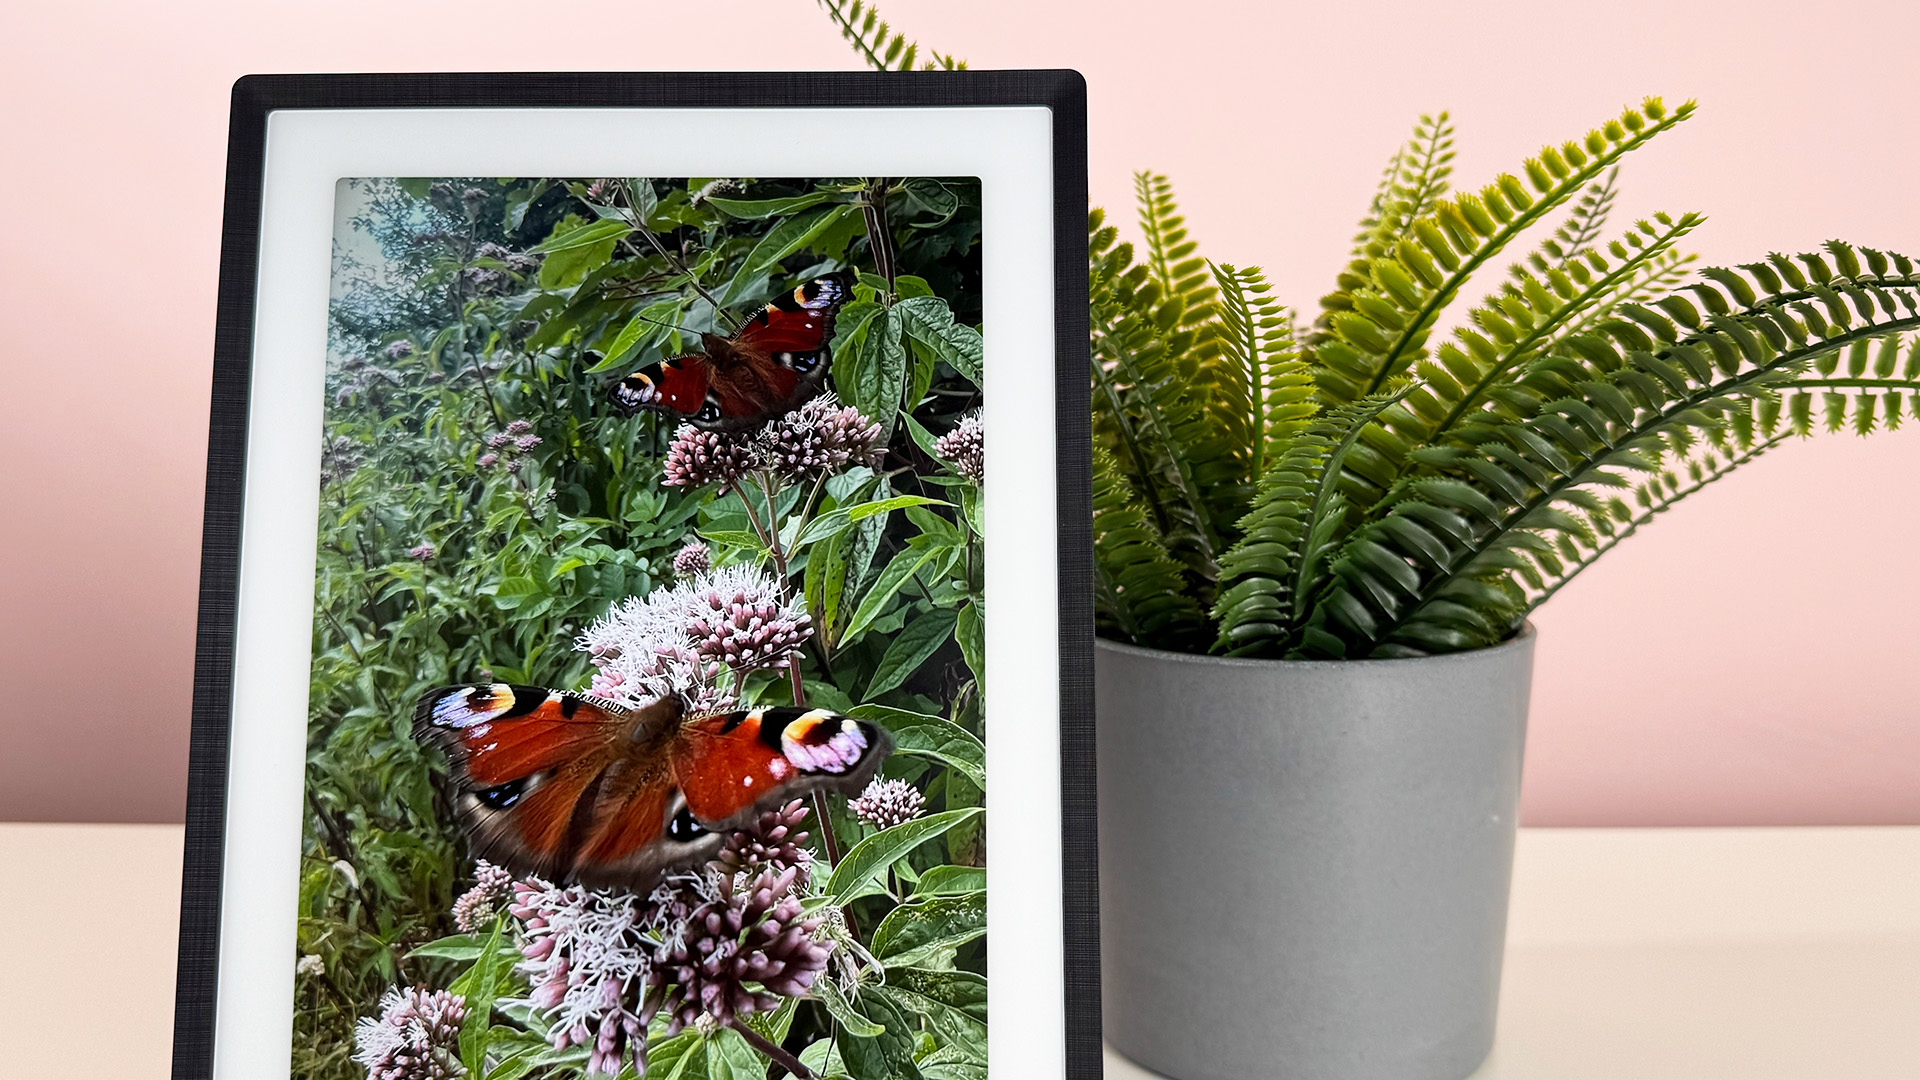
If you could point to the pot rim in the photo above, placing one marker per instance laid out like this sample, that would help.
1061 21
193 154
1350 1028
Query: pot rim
1523 639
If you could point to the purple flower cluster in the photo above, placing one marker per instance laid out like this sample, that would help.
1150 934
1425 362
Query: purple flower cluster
423 552
506 447
772 841
506 266
476 907
820 438
748 934
886 803
706 947
965 447
358 375
399 350
694 558
712 188
416 1037
736 616
699 458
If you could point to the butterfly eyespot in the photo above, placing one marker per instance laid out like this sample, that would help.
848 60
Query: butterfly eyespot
502 797
683 828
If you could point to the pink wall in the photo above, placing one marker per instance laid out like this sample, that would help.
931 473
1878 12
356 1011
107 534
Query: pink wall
1749 660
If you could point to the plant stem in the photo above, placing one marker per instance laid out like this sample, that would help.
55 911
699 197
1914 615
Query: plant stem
879 239
460 315
774 1052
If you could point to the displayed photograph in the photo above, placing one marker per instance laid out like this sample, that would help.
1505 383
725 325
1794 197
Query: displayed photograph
645 728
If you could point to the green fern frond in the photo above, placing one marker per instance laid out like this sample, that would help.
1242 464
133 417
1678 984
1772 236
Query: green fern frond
881 46
1506 332
1583 227
1652 278
1526 495
1148 405
1180 273
1415 178
1656 495
1257 346
1376 325
1269 579
1142 595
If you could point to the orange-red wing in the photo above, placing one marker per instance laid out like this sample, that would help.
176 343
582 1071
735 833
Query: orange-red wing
677 386
495 734
732 765
538 774
799 322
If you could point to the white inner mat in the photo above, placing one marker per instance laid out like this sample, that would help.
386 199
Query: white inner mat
308 151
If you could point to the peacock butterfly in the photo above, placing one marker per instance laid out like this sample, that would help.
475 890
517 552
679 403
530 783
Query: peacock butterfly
576 788
777 360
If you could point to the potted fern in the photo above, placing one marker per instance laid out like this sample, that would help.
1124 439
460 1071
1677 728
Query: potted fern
1318 547
1318 543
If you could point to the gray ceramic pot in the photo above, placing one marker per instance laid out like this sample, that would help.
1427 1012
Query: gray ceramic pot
1304 865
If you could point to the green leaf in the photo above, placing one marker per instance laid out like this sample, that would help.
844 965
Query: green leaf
791 237
760 209
823 1057
906 286
673 1057
920 931
912 646
515 591
598 232
929 321
641 330
482 987
871 375
970 632
961 1028
948 880
887 1056
824 585
871 857
842 1010
731 1057
920 552
462 947
837 521
932 737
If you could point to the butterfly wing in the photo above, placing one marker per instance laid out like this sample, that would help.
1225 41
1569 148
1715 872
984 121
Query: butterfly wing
574 788
794 329
561 785
681 387
777 360
731 766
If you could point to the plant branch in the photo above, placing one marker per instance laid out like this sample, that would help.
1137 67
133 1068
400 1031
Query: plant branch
773 1051
873 208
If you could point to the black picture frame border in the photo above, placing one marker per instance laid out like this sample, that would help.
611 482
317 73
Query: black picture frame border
257 96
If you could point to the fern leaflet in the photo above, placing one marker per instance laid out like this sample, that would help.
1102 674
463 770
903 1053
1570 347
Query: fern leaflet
881 46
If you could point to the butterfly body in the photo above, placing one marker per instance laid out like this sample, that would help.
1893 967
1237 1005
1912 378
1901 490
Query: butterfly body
778 360
575 788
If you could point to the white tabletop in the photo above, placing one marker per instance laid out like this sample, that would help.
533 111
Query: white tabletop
1686 954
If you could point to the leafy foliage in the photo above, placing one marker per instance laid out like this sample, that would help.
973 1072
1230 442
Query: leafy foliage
1350 492
1358 492
880 45
480 504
